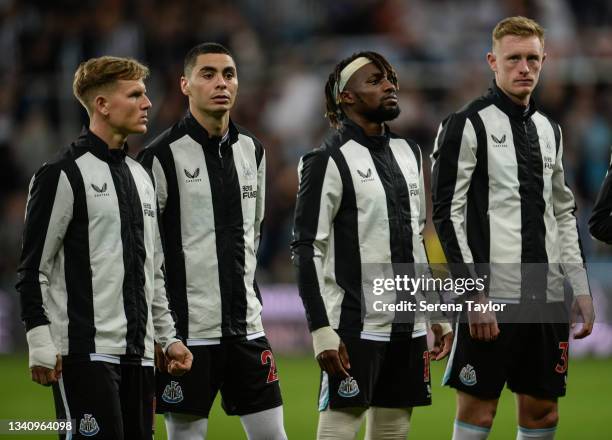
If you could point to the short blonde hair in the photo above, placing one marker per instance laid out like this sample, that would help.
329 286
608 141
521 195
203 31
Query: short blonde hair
519 26
97 73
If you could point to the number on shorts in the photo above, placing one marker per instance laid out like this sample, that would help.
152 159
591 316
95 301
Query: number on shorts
426 366
562 366
267 356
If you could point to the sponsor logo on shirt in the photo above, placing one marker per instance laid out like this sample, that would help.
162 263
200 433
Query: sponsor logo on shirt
499 143
548 162
367 176
248 192
348 388
88 426
192 176
413 188
467 376
148 210
173 393
101 191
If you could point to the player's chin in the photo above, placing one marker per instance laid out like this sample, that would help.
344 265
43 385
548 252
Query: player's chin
140 128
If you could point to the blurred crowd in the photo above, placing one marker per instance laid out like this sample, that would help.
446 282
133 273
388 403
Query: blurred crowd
285 50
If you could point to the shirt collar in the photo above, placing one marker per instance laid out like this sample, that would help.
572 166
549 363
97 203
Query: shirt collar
200 134
354 130
508 106
90 141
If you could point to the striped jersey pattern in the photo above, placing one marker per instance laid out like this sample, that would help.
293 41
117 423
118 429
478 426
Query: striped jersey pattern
211 194
91 263
500 197
361 200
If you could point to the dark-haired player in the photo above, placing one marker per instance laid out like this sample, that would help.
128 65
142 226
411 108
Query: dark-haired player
210 176
361 200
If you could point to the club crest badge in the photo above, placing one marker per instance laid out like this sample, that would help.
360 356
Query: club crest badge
348 388
467 376
247 171
173 393
88 426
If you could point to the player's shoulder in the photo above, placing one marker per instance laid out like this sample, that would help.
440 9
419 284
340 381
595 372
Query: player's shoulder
242 131
408 143
544 116
159 147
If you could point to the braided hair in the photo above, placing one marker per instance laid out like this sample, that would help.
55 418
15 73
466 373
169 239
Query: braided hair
334 111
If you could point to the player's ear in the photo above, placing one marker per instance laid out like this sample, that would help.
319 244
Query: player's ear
347 97
101 105
185 86
492 60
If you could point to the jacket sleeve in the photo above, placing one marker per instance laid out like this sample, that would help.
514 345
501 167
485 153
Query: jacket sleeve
572 259
150 161
260 204
600 223
318 200
163 321
454 161
48 213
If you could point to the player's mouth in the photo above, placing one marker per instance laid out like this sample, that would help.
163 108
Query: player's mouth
390 99
221 99
144 119
524 82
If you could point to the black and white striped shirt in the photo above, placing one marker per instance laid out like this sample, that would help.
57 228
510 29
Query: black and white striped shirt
211 195
361 200
92 258
500 197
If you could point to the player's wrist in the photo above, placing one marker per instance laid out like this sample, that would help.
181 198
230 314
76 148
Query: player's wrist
445 327
324 338
166 344
42 350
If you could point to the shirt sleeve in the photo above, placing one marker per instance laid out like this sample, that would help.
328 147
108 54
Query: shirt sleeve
49 211
572 259
318 200
454 161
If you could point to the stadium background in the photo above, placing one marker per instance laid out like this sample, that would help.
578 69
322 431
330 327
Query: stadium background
285 50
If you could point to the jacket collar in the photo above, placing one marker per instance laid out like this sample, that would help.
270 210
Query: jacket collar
353 130
96 146
200 135
508 106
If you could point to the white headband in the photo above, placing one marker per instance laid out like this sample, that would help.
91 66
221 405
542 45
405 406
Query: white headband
348 71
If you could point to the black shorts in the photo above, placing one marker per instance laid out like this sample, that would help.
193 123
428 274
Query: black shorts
531 357
245 373
105 400
392 374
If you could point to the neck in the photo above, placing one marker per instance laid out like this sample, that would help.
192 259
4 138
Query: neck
113 139
215 125
370 128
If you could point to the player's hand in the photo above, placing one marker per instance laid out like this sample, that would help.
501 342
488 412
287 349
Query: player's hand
47 376
160 358
335 362
483 325
583 307
442 343
178 359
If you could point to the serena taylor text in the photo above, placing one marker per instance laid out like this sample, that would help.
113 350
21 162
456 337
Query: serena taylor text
424 306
